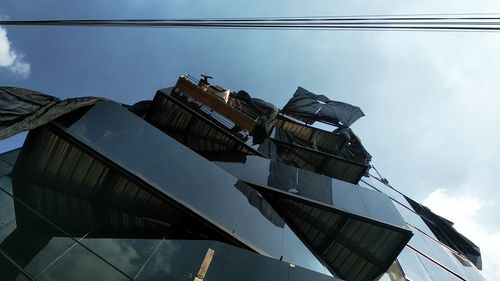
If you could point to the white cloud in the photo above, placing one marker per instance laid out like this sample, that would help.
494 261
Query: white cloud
465 209
10 59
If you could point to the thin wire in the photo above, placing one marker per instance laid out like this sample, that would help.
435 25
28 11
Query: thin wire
465 23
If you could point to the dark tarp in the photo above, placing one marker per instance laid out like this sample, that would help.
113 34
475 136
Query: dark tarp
309 107
23 109
265 111
447 234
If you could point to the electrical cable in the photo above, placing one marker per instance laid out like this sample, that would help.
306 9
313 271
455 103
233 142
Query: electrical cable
421 22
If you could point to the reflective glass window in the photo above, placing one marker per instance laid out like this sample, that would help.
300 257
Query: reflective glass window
412 266
27 238
380 207
437 272
161 162
295 252
436 252
80 264
243 267
182 260
300 274
348 198
128 255
260 224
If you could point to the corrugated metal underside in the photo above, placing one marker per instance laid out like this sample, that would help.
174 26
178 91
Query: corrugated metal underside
356 249
314 161
80 192
188 126
322 140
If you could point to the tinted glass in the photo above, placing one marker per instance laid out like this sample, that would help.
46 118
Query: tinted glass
260 224
182 260
41 242
300 274
80 264
412 266
437 272
347 197
381 208
128 255
161 162
295 252
243 267
436 252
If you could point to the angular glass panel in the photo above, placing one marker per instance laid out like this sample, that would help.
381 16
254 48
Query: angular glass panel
347 197
182 260
128 255
380 208
413 219
300 274
10 157
80 264
162 162
437 272
41 242
244 267
295 252
436 252
7 161
412 266
336 193
260 224
473 274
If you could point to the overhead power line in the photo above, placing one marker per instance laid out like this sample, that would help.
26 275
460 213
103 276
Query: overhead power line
415 22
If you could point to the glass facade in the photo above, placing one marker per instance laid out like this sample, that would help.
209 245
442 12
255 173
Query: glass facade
182 193
425 257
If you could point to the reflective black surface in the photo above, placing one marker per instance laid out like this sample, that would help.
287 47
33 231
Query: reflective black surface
185 176
26 237
332 192
87 210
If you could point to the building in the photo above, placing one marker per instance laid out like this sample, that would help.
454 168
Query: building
206 184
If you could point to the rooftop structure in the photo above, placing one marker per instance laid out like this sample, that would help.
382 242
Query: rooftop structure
202 183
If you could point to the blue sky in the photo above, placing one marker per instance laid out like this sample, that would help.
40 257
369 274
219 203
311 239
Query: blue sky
430 98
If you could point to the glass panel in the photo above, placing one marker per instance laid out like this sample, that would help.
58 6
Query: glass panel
412 266
295 252
80 264
244 267
128 255
9 271
252 169
10 157
7 161
260 224
300 274
182 260
28 239
161 162
381 208
473 273
435 251
348 198
414 219
437 272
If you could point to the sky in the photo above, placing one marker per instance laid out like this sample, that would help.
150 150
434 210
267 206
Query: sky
430 98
